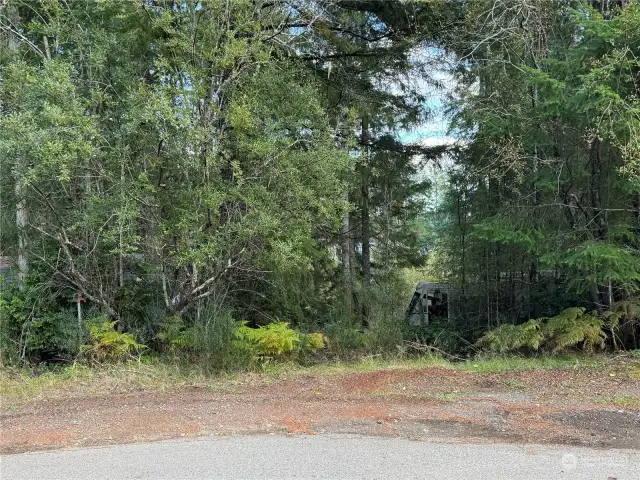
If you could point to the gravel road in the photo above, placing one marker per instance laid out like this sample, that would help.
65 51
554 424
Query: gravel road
323 456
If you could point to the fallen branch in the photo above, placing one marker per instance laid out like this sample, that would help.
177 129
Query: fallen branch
423 347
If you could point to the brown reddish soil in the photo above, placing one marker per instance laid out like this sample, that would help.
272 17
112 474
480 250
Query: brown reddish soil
429 404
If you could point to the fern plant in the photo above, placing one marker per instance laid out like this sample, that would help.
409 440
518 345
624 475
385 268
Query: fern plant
509 338
175 337
107 344
313 342
272 340
573 326
570 328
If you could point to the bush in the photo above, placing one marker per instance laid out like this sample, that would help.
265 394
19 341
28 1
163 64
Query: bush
510 338
454 336
222 343
15 313
572 328
31 330
386 305
107 344
378 324
53 337
347 340
173 336
272 340
312 342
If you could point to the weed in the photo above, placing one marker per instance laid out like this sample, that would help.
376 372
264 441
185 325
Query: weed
272 340
224 389
517 364
514 383
153 374
627 401
107 344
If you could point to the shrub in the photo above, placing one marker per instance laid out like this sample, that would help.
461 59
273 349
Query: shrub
386 306
509 338
571 328
107 344
15 312
455 336
33 330
272 340
53 337
214 342
347 341
313 342
174 336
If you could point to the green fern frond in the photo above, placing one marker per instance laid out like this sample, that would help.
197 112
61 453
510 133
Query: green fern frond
570 328
108 344
274 339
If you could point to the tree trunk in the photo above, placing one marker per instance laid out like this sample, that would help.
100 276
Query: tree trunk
121 233
21 205
364 193
597 220
346 262
21 224
595 296
463 247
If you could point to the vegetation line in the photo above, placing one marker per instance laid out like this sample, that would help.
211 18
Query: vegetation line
243 183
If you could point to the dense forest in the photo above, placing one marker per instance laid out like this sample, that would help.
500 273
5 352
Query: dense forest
226 181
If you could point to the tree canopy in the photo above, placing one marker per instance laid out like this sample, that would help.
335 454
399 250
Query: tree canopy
248 159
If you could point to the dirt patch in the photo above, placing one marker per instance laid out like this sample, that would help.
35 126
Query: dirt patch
464 429
612 427
428 404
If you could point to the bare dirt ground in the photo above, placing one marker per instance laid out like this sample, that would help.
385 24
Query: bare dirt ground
581 407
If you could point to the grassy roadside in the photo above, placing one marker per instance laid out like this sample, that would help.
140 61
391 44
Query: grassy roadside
77 380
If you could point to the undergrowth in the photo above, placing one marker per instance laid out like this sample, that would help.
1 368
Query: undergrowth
571 328
157 374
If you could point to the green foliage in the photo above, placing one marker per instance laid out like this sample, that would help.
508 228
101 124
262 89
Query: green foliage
212 343
380 326
346 341
455 335
542 204
107 344
313 342
230 345
53 337
386 304
500 231
571 328
166 161
14 313
174 336
598 263
272 340
182 172
510 338
31 332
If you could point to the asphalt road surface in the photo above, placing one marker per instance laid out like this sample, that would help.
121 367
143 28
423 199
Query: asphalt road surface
323 456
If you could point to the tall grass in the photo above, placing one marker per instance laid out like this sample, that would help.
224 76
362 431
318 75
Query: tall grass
77 380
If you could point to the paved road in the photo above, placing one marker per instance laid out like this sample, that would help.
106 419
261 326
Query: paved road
323 456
